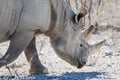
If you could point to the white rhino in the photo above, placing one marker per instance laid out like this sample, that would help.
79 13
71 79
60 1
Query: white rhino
22 20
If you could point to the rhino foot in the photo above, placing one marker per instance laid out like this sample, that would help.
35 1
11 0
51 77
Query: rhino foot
2 62
38 70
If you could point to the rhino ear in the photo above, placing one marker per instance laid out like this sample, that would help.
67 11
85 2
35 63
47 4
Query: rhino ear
82 13
87 33
96 47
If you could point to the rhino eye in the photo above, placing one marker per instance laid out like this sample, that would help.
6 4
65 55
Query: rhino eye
81 45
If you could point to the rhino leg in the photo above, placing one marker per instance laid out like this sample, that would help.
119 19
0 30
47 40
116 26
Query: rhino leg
18 42
3 37
33 59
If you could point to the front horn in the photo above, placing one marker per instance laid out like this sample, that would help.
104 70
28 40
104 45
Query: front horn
96 47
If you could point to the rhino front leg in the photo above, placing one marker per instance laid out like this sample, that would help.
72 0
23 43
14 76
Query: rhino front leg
18 42
32 57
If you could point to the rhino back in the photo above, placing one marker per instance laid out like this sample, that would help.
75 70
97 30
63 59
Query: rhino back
36 14
9 15
42 14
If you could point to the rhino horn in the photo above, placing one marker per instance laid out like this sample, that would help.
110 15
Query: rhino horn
87 33
96 47
82 13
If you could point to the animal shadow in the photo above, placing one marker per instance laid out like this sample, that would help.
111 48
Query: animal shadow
64 76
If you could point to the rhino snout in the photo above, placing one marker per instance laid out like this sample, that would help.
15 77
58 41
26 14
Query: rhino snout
81 64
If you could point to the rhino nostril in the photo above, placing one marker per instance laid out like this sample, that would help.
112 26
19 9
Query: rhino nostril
80 65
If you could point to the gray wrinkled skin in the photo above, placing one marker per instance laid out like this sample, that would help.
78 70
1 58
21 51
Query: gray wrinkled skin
22 20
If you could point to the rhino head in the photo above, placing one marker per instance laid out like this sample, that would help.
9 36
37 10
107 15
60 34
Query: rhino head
72 46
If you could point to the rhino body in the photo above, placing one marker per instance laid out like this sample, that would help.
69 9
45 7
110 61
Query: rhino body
19 15
22 20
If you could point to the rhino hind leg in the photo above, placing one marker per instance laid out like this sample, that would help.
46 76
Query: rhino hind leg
32 57
18 42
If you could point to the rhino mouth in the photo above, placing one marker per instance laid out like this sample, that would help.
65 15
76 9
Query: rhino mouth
81 64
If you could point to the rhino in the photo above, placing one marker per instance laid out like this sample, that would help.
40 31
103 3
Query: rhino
22 20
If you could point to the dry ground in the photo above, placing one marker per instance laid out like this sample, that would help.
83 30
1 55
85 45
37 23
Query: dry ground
104 65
